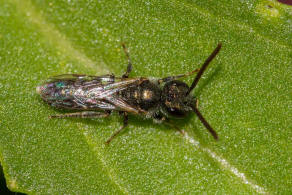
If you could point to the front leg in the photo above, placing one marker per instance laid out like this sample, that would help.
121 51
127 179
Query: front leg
161 119
171 124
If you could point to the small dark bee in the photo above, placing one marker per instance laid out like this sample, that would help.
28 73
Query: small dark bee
97 96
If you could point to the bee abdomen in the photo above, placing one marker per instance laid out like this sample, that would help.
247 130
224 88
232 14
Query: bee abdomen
57 94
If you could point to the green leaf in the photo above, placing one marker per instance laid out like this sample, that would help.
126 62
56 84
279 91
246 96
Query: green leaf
245 95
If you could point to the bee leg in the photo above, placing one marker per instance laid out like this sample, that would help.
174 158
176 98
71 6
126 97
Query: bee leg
171 78
118 131
85 114
170 123
129 68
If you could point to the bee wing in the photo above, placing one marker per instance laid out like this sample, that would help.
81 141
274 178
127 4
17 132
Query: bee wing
83 77
123 106
111 90
106 94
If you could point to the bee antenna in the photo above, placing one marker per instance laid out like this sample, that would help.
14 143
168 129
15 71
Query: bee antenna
205 123
204 66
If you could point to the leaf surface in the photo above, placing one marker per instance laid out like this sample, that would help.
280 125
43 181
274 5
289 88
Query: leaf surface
245 95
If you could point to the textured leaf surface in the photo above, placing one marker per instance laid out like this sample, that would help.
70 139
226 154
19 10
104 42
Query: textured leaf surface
245 95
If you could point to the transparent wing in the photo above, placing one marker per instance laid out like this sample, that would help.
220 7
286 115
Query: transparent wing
106 95
87 92
81 77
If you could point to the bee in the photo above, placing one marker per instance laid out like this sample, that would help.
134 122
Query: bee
97 96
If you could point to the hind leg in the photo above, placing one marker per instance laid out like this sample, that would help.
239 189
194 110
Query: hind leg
84 114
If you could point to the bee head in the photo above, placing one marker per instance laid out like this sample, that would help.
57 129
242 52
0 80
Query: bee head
175 99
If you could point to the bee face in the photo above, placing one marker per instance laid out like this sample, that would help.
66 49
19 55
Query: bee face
175 100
